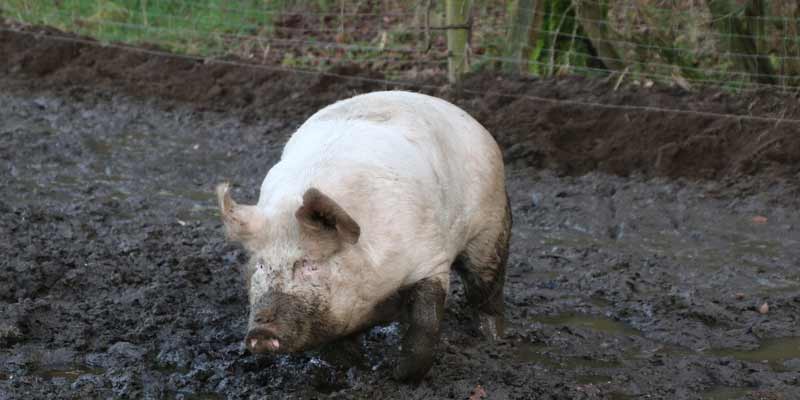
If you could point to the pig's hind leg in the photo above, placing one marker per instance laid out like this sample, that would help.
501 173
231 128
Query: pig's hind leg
423 314
482 269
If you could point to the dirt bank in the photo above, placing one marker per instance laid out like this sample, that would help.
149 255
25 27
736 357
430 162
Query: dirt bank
116 281
567 137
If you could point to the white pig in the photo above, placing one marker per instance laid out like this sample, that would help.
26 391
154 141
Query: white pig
374 201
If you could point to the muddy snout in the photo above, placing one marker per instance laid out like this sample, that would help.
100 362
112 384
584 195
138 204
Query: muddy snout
276 324
262 340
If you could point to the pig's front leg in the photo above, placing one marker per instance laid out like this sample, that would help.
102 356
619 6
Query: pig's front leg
425 303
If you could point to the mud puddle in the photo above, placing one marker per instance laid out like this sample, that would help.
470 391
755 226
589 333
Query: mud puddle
728 393
70 373
617 287
781 354
195 396
549 357
591 322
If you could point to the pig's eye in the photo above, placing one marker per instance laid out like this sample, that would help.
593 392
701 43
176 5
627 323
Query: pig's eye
304 268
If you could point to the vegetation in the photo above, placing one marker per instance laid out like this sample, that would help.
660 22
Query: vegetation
735 43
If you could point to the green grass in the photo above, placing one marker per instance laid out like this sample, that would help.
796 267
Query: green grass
240 27
214 28
186 26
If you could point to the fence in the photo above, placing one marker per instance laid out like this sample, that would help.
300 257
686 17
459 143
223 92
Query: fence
738 44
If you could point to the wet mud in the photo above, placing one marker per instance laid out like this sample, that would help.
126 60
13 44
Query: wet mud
634 272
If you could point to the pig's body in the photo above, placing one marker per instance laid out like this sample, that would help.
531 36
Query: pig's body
420 188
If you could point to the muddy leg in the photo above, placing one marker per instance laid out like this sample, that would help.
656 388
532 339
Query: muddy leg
425 310
346 352
482 268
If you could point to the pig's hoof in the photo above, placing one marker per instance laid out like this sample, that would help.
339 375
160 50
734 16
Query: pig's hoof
492 327
412 369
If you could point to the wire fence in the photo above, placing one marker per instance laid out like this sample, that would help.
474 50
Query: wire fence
776 119
735 44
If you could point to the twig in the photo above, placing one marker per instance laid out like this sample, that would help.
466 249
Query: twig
467 26
621 76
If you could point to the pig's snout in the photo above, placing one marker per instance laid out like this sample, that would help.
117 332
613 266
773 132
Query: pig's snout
277 324
262 339
264 332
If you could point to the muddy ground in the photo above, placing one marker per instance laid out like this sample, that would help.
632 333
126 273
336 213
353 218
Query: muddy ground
643 248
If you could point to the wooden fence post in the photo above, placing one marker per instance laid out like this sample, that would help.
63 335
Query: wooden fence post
457 18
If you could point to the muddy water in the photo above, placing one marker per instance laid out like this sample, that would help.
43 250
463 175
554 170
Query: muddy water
70 374
117 281
777 353
724 393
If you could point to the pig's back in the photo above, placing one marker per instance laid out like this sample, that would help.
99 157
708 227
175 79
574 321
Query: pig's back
410 164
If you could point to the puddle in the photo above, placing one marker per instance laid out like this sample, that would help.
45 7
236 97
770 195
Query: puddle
582 362
772 351
540 354
592 322
196 396
203 396
663 349
592 379
71 374
568 241
98 147
532 353
197 195
724 393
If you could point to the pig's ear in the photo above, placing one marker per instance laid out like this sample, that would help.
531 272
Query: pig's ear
244 224
325 222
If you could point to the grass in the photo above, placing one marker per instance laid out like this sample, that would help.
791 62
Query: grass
652 47
245 28
201 27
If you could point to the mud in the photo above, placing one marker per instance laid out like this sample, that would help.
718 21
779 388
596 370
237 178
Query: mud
634 272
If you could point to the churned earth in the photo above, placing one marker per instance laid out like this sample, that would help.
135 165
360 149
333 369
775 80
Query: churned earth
653 255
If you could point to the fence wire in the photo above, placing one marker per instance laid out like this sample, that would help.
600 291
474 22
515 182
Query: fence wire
742 45
776 120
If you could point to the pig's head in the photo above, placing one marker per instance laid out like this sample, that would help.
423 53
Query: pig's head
295 283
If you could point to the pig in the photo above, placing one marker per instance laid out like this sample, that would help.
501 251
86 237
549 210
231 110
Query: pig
375 199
